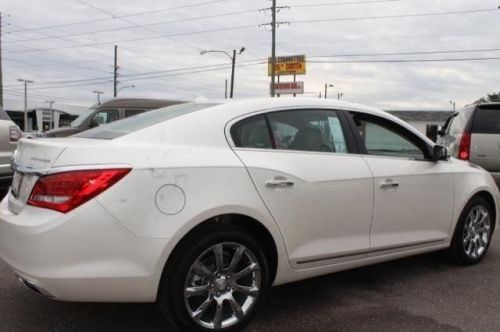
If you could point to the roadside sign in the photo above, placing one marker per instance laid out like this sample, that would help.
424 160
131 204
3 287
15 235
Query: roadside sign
288 65
284 88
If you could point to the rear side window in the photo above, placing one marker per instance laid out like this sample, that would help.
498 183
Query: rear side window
486 121
3 115
129 125
252 133
132 112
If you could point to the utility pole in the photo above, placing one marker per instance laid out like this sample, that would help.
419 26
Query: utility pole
339 95
225 90
25 102
233 65
232 74
99 93
1 73
50 102
273 47
115 72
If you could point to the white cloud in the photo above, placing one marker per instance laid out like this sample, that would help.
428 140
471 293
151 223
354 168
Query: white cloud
385 85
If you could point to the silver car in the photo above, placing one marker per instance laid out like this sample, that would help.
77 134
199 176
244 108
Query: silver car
474 134
9 135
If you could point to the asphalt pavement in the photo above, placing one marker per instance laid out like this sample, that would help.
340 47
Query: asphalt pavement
424 293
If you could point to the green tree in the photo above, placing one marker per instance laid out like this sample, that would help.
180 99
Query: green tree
490 97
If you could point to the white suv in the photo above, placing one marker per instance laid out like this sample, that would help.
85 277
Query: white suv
474 134
9 134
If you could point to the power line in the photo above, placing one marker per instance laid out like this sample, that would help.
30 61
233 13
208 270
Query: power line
142 25
406 60
342 19
404 53
139 39
122 16
340 3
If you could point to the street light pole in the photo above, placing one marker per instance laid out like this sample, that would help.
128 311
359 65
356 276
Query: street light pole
233 64
99 93
50 102
453 104
339 95
25 102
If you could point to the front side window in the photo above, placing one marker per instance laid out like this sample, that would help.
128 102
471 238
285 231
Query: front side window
382 138
300 130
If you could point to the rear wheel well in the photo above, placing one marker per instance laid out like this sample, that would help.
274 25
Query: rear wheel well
249 225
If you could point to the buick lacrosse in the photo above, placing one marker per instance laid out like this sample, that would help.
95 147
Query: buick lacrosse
203 206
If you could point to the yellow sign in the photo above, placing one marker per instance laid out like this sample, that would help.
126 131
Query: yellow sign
288 65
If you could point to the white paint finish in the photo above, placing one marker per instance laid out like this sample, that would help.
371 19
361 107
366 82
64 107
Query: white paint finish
170 199
329 207
114 248
419 209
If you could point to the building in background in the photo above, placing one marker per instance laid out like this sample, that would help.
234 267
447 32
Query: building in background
42 119
426 122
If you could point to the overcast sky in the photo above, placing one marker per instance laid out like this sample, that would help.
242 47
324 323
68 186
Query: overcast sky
159 49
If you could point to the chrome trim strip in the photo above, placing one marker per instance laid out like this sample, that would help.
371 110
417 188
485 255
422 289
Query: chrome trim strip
370 251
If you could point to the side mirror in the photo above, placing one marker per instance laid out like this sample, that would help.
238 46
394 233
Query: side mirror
440 153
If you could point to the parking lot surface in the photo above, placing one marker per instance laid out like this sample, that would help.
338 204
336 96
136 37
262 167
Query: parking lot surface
423 293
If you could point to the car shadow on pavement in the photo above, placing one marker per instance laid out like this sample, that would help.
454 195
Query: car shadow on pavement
282 309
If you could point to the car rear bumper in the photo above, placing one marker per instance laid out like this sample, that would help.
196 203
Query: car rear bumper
85 255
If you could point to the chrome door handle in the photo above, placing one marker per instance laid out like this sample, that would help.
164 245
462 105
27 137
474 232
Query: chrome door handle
387 184
279 183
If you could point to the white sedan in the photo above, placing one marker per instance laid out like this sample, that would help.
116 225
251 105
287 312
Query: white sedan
202 206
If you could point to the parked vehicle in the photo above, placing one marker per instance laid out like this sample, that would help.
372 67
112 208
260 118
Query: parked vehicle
474 134
203 207
9 135
112 110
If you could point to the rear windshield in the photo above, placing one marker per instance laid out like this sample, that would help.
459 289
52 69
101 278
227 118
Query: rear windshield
3 115
137 122
487 120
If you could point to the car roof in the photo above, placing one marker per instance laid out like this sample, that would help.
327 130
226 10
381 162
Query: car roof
145 103
241 107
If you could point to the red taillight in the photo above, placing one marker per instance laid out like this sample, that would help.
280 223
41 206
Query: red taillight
14 134
65 191
464 147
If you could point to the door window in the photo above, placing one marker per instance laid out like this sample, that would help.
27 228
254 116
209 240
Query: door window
382 138
105 116
308 130
301 130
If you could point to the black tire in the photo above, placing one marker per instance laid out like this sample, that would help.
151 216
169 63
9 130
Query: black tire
171 293
458 250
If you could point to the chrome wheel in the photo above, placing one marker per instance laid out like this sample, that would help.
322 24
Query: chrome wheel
222 285
477 231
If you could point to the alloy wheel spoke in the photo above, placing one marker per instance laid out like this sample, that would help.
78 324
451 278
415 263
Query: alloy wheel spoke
196 290
218 315
235 306
201 269
482 242
219 257
247 290
202 308
246 271
236 258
